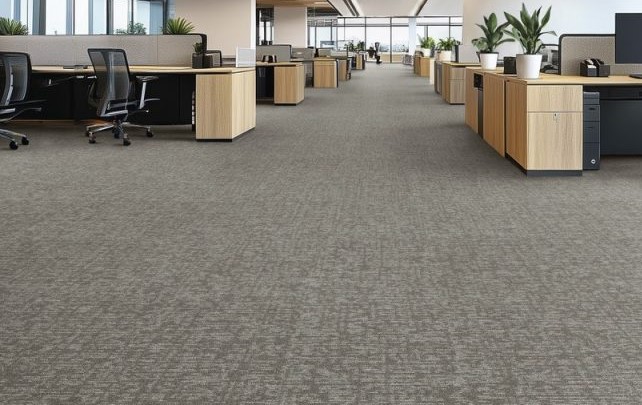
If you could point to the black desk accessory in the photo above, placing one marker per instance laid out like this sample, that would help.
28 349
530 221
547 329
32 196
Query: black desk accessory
510 65
636 75
594 68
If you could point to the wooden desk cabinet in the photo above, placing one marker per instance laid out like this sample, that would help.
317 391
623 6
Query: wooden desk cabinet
422 66
325 73
544 126
453 86
289 84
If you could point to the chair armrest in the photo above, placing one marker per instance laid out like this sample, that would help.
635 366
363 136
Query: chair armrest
145 79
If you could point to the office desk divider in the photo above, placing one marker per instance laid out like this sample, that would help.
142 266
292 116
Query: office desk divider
574 48
62 50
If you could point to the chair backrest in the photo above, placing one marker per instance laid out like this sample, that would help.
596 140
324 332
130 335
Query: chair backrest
113 84
15 73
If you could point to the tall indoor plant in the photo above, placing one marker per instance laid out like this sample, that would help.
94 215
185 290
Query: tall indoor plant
427 44
528 30
446 46
493 37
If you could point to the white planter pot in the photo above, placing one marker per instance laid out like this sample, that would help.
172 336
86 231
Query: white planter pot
528 66
445 56
488 60
426 52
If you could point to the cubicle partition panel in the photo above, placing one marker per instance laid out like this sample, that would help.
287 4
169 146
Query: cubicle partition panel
283 53
574 48
168 50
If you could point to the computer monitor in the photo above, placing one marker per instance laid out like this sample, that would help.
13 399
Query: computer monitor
628 31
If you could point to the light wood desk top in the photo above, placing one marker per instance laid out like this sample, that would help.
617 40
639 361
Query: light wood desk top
145 69
550 79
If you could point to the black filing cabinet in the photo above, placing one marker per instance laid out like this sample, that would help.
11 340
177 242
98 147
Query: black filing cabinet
591 130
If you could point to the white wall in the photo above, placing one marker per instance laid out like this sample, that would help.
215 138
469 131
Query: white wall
228 23
567 16
291 26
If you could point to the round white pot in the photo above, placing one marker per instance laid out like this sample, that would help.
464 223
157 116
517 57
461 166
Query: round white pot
488 60
528 66
445 56
426 52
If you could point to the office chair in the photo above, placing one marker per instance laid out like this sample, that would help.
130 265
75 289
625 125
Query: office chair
15 74
115 95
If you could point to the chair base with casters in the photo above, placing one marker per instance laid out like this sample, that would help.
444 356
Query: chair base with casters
117 128
12 136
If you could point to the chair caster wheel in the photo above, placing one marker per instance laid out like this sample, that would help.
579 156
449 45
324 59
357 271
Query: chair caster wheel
126 142
13 145
92 141
150 134
116 134
25 141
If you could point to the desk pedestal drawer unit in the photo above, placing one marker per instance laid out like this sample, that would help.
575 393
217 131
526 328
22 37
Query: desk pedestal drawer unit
289 84
544 127
325 73
225 104
422 66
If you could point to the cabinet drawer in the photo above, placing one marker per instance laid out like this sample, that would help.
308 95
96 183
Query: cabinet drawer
555 141
555 98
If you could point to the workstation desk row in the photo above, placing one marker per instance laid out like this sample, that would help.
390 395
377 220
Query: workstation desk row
219 102
547 126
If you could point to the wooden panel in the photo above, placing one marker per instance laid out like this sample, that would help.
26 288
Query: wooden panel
471 101
422 66
225 105
555 98
343 70
289 84
516 122
325 73
494 109
555 141
457 73
457 93
445 82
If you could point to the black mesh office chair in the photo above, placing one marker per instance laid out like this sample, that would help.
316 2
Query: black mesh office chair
115 94
15 74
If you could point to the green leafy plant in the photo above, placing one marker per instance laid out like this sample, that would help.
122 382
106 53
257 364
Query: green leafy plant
133 29
447 44
426 42
12 27
493 34
178 26
529 29
198 48
361 46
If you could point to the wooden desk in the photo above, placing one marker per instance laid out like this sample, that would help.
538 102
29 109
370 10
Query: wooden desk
289 82
539 123
345 69
326 73
225 97
422 66
453 87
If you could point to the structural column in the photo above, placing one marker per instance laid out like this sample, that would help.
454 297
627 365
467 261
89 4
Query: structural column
291 26
228 24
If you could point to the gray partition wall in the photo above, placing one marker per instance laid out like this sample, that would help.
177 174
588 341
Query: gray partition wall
282 52
168 50
574 48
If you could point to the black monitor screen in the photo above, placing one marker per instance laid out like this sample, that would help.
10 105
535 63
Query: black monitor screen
628 38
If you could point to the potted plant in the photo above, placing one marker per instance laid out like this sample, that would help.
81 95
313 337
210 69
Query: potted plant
528 31
12 27
446 47
198 56
178 26
427 45
493 37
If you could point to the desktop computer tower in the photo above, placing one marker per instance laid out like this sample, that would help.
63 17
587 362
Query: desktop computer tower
591 130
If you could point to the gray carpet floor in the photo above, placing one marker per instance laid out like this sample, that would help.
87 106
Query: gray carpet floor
364 247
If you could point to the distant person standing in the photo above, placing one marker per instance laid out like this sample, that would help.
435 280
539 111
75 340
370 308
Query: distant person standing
377 55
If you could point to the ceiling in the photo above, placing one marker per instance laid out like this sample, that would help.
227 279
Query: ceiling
349 8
